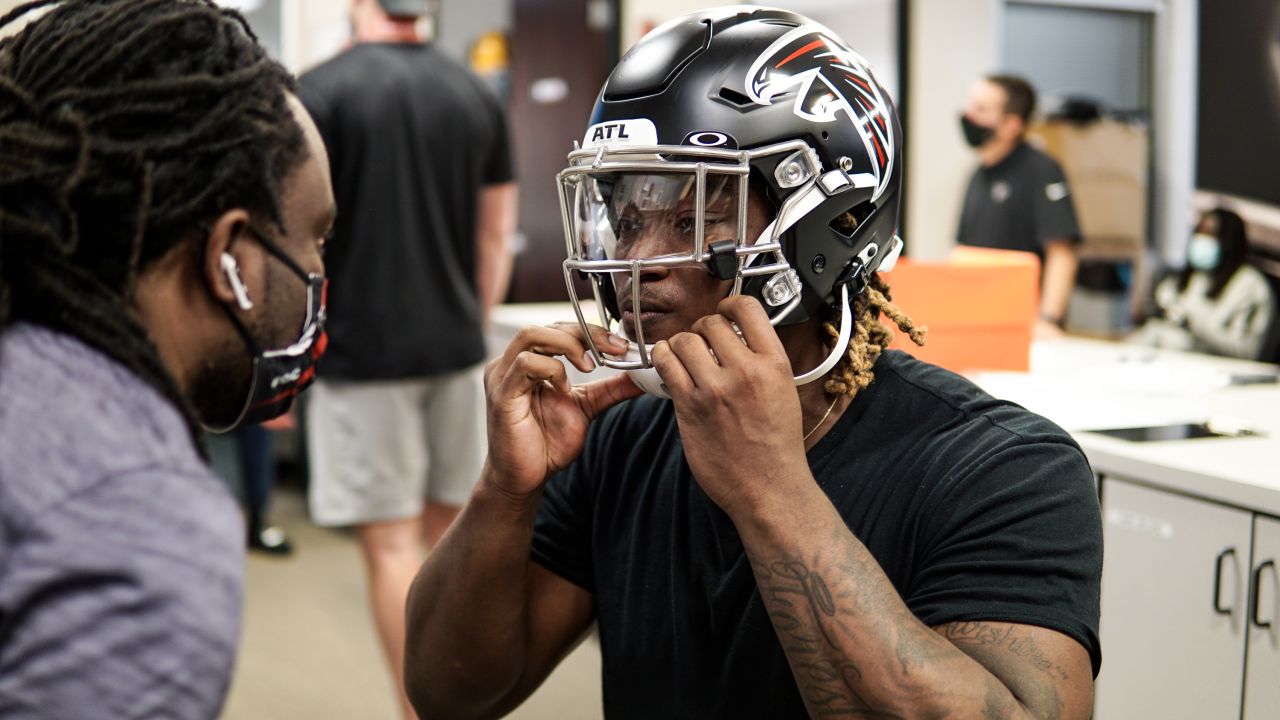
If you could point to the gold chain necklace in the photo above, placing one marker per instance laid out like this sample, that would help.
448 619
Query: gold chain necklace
830 407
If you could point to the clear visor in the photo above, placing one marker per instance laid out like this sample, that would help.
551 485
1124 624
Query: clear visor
629 210
623 216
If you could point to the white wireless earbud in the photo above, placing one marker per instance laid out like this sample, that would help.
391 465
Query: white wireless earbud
232 270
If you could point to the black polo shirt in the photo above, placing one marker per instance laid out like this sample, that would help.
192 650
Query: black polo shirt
1021 203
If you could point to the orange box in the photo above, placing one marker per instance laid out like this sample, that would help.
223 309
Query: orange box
980 307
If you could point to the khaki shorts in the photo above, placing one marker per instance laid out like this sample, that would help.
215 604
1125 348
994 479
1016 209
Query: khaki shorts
379 450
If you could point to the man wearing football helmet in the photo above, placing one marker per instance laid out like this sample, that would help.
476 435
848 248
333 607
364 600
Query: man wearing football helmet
888 542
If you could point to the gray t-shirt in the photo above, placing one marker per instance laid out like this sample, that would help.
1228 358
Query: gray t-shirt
121 554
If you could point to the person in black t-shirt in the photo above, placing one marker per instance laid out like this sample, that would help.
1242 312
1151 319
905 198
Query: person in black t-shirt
754 543
1018 198
421 168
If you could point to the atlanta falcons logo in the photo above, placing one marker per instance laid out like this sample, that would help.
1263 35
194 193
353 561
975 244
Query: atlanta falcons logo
829 78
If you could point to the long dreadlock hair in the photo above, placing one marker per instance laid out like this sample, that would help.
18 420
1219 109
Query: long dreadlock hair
870 336
125 125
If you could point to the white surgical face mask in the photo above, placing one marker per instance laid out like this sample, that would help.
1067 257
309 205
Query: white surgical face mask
1203 252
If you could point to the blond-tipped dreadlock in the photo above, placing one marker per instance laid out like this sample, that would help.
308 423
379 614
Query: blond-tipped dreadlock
870 338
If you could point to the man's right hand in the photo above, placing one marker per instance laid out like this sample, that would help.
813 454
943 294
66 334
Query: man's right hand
537 420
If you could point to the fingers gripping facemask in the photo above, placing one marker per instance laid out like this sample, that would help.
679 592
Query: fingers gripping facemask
648 380
278 376
623 219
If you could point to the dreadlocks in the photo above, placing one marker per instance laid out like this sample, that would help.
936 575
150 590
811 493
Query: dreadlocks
870 336
125 125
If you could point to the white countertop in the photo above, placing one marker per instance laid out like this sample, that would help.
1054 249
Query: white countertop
1088 384
1085 384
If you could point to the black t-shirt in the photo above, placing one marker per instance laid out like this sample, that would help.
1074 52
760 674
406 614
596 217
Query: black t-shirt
412 138
1020 203
976 509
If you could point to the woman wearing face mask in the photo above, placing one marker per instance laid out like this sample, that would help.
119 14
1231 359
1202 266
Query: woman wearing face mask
1217 304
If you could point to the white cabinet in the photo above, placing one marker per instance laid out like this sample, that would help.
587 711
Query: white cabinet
1262 678
1173 606
1181 636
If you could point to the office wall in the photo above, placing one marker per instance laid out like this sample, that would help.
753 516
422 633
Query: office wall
5 7
1177 57
640 16
320 27
870 26
1102 54
315 31
953 42
461 22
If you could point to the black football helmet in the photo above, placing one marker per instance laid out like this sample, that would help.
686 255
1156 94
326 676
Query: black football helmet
701 109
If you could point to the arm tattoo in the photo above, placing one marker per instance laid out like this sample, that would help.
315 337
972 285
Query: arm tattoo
842 625
791 591
984 634
986 641
816 625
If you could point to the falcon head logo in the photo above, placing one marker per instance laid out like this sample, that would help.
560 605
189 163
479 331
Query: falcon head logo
832 84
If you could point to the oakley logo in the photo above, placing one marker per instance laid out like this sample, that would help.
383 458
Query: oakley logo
708 139
828 79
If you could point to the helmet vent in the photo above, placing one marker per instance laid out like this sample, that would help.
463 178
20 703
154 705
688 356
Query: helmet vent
733 97
846 223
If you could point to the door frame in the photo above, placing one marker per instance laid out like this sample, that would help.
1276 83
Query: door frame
1175 84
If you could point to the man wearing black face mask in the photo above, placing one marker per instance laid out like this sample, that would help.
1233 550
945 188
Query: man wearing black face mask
1018 199
160 271
274 377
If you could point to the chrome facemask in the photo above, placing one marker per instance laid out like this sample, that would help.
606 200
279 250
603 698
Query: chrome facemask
612 196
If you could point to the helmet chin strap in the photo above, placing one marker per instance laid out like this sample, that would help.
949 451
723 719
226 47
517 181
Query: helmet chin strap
842 343
648 380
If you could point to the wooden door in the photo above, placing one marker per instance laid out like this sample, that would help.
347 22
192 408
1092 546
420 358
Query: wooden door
562 51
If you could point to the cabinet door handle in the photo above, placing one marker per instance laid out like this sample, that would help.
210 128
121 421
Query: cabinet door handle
1257 592
1217 581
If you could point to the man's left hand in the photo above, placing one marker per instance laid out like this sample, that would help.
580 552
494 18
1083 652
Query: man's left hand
737 406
